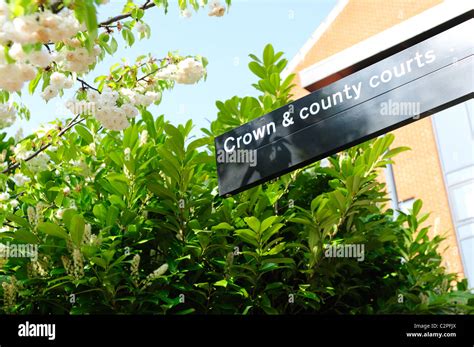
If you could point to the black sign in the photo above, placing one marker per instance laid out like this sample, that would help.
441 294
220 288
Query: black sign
416 82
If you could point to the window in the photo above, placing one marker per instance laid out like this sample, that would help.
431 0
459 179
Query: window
454 130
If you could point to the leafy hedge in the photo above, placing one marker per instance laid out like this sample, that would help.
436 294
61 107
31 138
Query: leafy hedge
131 223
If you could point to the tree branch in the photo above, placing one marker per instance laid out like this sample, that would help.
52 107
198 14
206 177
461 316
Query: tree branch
148 4
70 125
85 84
151 73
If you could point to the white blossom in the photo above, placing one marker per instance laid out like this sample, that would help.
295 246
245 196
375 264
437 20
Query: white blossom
186 13
4 196
13 76
126 153
143 138
157 273
216 9
140 27
59 213
49 93
20 179
39 163
7 115
39 27
189 71
31 213
78 59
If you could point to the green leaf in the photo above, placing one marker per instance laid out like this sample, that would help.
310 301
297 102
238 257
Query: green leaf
84 133
221 283
175 134
417 207
421 234
223 225
161 191
112 215
34 82
253 223
257 69
267 234
278 261
198 143
128 36
77 229
99 261
86 13
393 152
248 236
18 220
26 236
150 123
113 45
100 211
67 216
268 55
267 222
186 311
53 230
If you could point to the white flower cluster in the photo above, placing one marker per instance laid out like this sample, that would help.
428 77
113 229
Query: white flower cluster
187 71
58 81
141 99
20 179
4 196
216 9
36 164
10 292
40 58
78 59
135 269
7 115
107 111
6 203
105 108
39 163
13 76
40 27
155 275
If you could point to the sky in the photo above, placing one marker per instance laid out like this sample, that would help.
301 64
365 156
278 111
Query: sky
225 42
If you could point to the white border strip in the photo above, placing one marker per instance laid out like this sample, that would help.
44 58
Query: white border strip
384 40
315 36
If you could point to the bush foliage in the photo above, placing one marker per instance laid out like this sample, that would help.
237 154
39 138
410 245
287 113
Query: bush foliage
131 222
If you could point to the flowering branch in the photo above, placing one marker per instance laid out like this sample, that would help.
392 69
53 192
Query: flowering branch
151 73
69 126
148 4
85 84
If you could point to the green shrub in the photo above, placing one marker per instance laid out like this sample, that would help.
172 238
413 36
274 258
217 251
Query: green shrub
130 222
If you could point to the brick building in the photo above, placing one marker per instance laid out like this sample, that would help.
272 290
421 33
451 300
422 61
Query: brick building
439 169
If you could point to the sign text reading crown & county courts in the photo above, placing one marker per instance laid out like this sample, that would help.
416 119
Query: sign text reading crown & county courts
435 74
